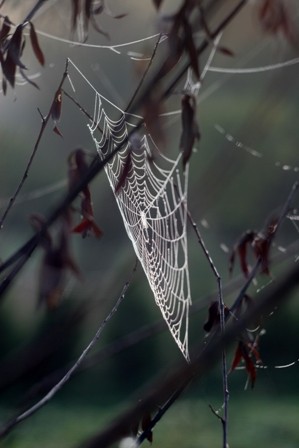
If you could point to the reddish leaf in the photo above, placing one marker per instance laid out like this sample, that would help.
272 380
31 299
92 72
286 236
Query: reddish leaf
237 357
87 225
190 130
226 51
241 249
262 245
118 16
249 365
253 349
124 174
35 45
57 131
242 353
261 248
56 106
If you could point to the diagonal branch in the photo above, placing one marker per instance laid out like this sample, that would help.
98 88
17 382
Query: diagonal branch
33 11
208 356
10 425
45 121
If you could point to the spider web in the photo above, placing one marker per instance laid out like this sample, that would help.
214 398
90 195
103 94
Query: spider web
152 202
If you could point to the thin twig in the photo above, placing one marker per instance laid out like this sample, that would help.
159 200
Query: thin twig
33 11
45 121
80 107
8 427
162 410
140 84
222 327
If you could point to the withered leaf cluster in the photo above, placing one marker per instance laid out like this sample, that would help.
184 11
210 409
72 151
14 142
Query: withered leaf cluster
78 168
260 244
90 10
12 44
247 350
57 260
275 16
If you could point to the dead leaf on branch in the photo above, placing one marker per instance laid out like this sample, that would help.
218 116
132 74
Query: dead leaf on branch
11 50
57 260
260 243
35 45
56 111
240 249
87 224
56 106
78 167
13 55
247 353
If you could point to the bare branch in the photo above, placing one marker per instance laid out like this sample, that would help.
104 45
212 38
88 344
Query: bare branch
33 11
222 320
10 425
45 121
163 388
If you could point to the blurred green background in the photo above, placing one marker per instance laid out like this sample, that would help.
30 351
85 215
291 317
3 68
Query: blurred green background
230 191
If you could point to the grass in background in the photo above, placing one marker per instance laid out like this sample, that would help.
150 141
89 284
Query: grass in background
260 421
